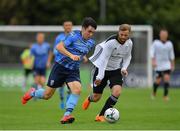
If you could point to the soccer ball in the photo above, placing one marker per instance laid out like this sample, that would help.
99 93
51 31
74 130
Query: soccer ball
111 115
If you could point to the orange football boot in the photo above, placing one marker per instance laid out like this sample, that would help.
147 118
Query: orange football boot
67 119
100 118
27 96
86 104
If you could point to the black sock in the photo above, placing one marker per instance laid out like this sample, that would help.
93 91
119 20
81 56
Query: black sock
166 86
155 86
90 98
110 102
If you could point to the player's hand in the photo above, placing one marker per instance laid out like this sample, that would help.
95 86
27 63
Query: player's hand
75 57
48 65
85 59
97 82
172 68
124 73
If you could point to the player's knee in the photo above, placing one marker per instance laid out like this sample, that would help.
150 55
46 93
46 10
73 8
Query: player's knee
76 91
116 91
166 78
116 94
43 80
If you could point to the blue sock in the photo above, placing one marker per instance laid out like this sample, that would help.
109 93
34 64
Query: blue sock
38 93
61 96
68 95
61 93
71 103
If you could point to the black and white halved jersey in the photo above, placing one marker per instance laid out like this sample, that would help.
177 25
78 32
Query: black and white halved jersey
111 55
163 54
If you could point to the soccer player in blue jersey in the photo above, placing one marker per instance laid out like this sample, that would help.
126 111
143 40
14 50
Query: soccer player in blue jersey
42 58
67 25
66 69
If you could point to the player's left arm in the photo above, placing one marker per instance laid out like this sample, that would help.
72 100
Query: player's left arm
152 54
104 57
126 62
172 57
172 65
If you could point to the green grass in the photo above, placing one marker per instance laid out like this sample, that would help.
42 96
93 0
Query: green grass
137 111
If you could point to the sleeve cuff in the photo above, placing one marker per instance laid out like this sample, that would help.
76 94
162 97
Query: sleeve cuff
123 68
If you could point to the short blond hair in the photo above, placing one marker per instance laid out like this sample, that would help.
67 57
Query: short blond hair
124 27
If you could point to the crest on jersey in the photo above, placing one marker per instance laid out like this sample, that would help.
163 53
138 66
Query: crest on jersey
52 82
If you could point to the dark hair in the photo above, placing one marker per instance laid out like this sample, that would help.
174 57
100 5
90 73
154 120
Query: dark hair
67 21
88 21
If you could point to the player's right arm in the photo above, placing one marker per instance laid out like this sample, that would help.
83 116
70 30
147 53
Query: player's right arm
61 47
152 51
102 61
172 57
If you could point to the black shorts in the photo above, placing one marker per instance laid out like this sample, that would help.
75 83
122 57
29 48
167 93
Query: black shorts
39 72
60 75
160 74
27 72
114 77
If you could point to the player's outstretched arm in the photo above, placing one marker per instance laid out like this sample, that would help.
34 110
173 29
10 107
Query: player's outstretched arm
102 61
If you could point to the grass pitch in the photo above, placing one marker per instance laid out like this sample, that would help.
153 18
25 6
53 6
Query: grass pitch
137 111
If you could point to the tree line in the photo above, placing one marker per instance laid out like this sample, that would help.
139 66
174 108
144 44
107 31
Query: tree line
158 13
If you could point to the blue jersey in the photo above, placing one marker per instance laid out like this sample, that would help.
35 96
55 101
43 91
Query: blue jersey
40 53
59 38
76 45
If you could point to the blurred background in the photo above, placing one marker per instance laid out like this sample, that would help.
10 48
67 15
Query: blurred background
146 16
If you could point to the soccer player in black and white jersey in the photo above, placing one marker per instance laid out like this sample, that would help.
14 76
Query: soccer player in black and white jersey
162 53
111 59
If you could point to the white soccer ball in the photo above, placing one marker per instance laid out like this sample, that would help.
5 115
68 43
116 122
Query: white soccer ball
111 115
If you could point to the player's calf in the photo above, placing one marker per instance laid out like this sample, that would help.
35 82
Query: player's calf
89 99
